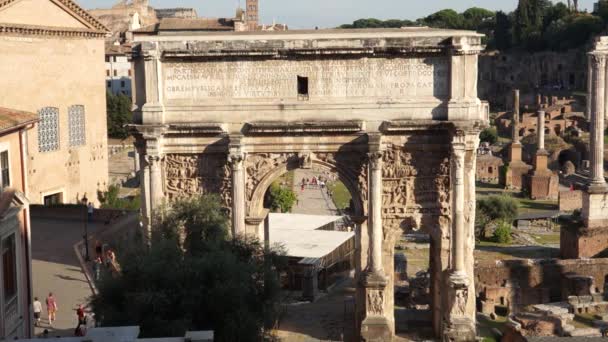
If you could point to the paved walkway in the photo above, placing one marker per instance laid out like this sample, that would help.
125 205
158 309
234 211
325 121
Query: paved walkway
55 268
312 200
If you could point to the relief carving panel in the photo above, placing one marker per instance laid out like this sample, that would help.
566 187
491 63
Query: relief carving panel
195 174
416 188
375 303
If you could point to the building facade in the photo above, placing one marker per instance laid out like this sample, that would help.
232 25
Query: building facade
118 69
15 251
252 11
59 49
228 113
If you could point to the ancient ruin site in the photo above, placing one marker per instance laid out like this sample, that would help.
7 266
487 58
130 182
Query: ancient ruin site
195 171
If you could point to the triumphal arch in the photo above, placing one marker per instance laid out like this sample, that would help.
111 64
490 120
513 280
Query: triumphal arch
394 112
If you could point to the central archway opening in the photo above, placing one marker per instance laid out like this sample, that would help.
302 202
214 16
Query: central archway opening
319 237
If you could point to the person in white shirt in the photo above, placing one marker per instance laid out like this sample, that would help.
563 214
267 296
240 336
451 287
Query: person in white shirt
37 311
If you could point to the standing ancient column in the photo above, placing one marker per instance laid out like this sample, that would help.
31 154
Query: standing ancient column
598 63
515 119
540 129
375 212
156 185
590 93
136 165
459 229
236 159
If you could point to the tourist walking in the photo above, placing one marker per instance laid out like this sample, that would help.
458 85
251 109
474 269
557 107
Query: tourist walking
37 306
80 315
98 249
90 211
97 268
51 308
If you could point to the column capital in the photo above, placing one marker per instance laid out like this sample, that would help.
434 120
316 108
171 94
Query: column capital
236 159
153 160
375 160
597 60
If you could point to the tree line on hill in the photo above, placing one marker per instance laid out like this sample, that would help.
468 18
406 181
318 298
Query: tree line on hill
535 25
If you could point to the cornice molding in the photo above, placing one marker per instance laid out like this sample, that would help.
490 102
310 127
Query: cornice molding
29 30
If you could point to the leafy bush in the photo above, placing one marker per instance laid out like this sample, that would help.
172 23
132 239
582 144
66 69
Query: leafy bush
502 233
489 135
119 114
110 200
281 198
208 281
498 207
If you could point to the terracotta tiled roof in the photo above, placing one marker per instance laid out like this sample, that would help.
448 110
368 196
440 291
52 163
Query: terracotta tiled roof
73 6
11 119
112 49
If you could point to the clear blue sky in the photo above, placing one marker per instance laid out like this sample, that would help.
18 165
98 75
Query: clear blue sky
329 13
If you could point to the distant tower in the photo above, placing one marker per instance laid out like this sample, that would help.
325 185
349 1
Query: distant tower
252 14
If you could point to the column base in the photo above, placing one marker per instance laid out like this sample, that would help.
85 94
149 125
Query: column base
460 330
595 206
376 329
597 188
371 279
459 280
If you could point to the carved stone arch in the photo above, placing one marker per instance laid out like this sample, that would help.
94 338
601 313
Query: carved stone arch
255 205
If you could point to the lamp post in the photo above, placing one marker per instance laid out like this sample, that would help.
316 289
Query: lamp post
85 201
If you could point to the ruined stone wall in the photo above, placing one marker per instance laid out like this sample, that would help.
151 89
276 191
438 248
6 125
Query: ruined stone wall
539 281
583 243
570 200
488 169
499 73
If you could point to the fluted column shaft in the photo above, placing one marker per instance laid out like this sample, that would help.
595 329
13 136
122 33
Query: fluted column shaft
156 190
238 193
375 211
515 123
459 229
540 129
598 63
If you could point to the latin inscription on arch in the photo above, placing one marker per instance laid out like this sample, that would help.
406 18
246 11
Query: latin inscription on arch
366 77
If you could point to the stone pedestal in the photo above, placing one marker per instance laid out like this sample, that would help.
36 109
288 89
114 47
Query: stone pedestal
595 207
459 326
542 182
515 152
540 162
375 326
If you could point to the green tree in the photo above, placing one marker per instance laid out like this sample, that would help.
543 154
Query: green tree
110 199
447 18
498 207
119 114
475 18
528 26
228 285
502 38
281 198
376 23
502 233
489 135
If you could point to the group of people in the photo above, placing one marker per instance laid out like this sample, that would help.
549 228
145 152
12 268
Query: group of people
313 182
52 308
108 259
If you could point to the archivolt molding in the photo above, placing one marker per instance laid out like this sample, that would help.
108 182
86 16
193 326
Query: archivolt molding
263 168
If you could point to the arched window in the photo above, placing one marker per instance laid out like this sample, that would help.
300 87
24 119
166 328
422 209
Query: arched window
48 129
76 122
